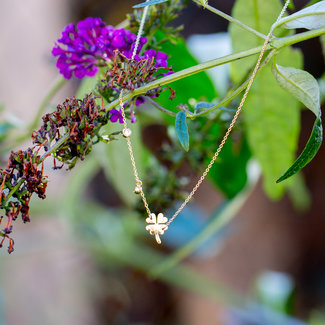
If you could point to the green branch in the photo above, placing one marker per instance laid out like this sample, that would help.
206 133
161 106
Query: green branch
276 43
290 40
54 148
186 73
13 190
164 110
236 92
56 86
232 20
221 218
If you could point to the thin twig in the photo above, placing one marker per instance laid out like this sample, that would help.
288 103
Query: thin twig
160 107
232 20
56 86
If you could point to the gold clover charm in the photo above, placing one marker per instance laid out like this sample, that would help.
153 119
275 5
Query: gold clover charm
156 225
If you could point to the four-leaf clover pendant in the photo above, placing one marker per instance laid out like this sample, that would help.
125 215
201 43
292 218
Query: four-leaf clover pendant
156 225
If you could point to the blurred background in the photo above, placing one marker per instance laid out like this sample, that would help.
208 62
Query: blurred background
78 263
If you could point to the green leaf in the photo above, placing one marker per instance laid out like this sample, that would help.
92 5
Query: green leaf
308 153
198 86
305 88
258 14
229 171
300 84
312 17
182 130
272 121
271 116
291 6
149 3
203 105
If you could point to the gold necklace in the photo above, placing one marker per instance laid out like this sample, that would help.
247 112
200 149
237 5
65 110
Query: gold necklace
157 225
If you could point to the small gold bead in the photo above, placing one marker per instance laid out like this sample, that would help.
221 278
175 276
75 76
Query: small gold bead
126 133
137 190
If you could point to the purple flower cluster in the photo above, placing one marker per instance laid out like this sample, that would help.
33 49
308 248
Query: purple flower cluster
90 44
86 46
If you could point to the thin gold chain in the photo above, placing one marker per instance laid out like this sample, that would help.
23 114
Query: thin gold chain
138 181
223 141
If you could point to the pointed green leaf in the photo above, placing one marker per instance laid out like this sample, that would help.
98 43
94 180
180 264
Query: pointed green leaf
268 108
272 119
203 105
149 3
312 17
300 84
304 87
308 153
182 130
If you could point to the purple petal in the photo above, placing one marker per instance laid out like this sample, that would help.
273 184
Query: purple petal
113 118
133 118
139 101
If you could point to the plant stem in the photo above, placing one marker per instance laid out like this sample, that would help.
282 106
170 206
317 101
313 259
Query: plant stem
232 20
236 92
256 14
13 190
221 218
186 73
123 24
196 69
49 152
290 40
142 258
55 147
276 43
56 86
164 110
